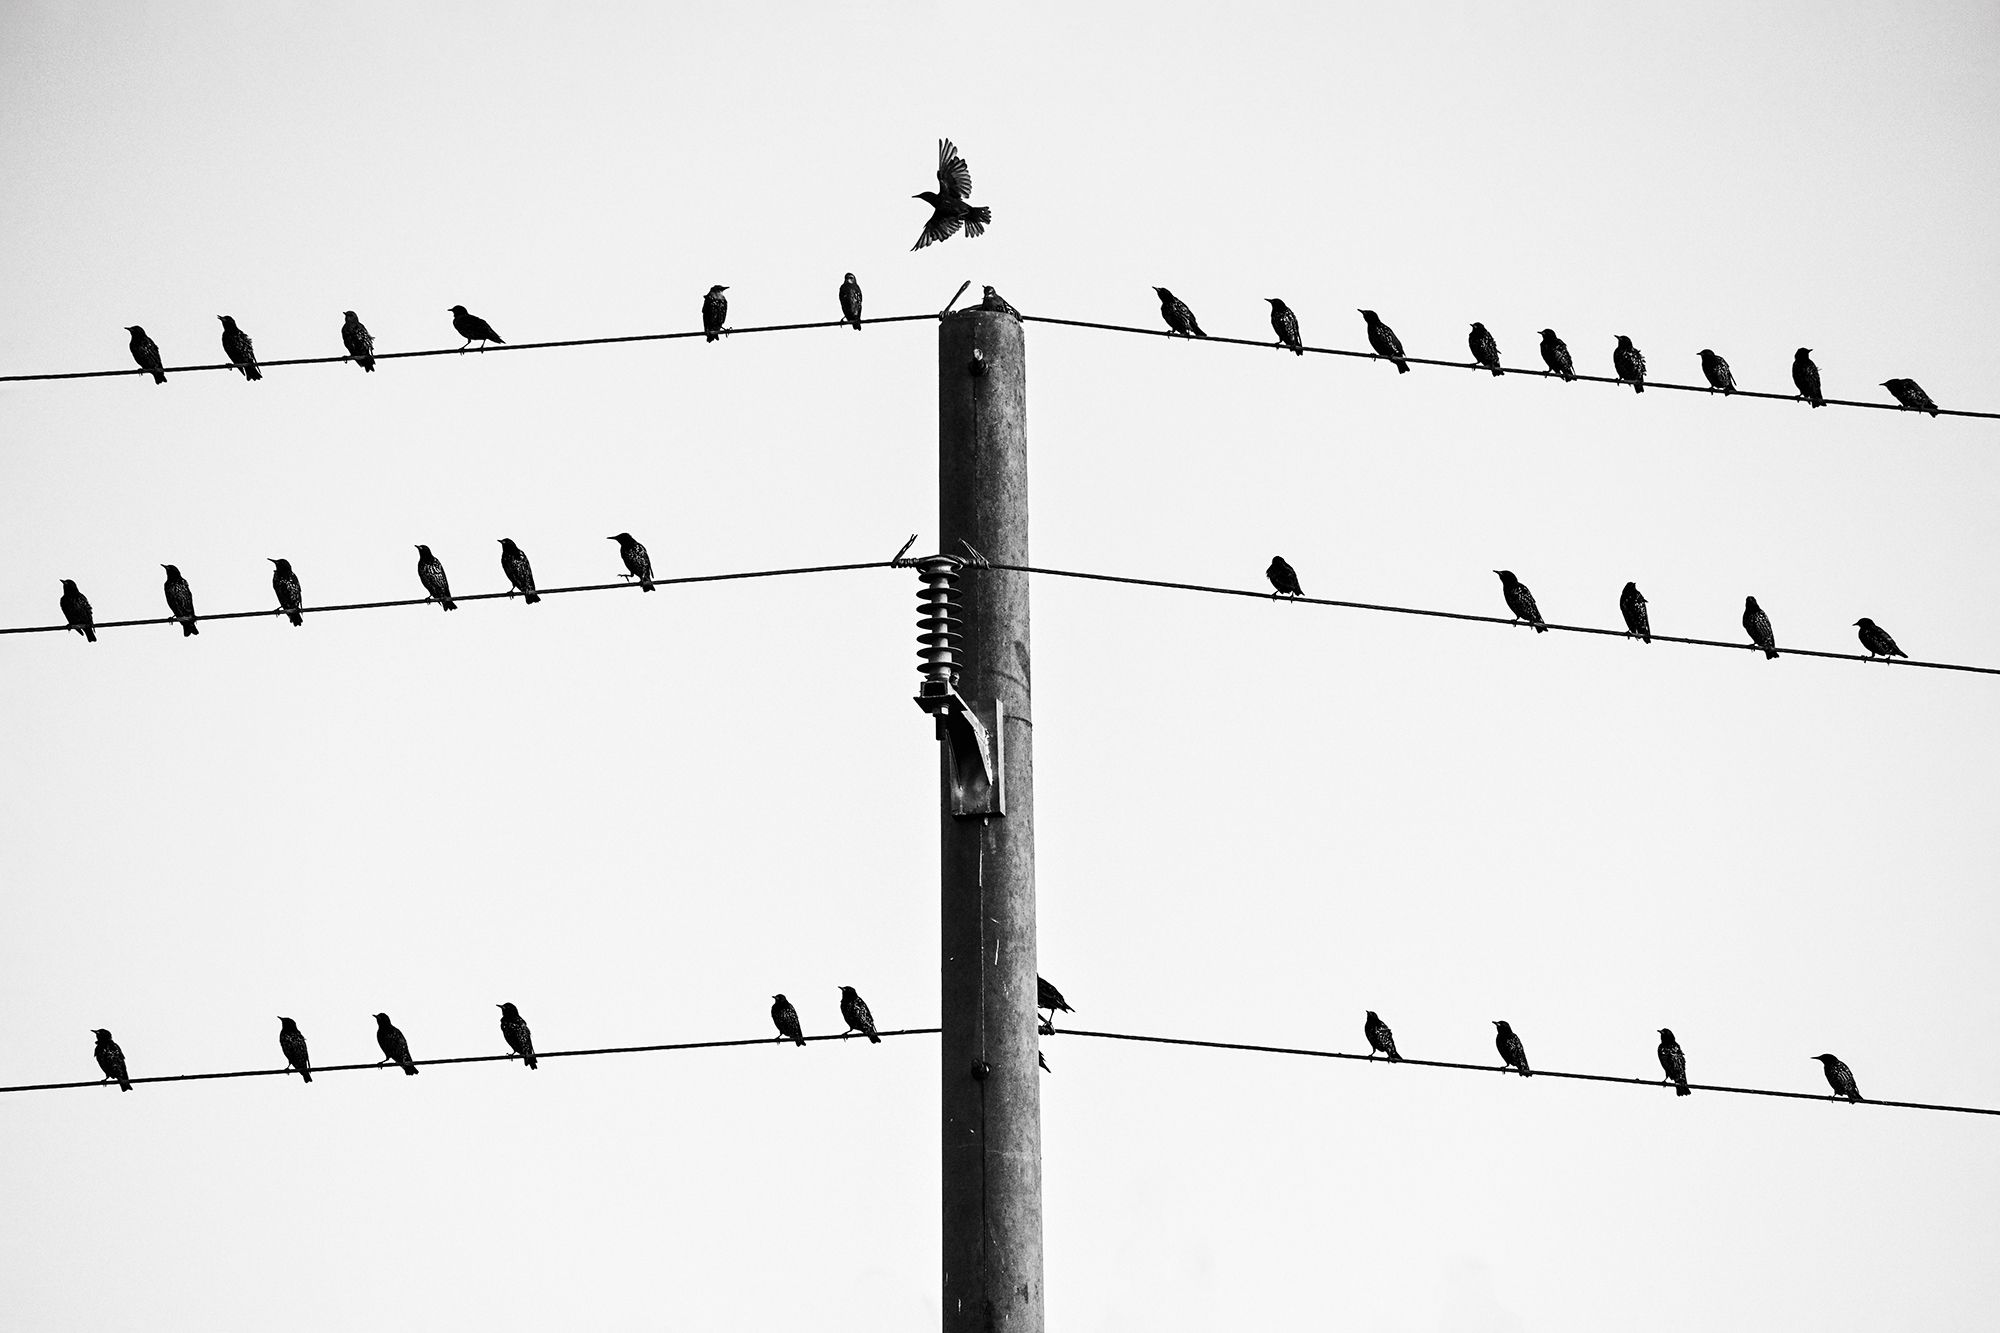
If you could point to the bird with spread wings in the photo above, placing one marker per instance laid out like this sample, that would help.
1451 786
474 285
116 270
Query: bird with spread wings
949 211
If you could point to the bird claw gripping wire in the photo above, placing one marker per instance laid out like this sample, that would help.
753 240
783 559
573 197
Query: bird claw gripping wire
973 739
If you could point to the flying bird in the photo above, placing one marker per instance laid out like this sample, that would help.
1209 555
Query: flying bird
638 564
1630 363
430 573
1674 1061
236 346
112 1060
286 585
1179 318
180 600
850 301
1512 1053
473 329
396 1050
1284 578
1758 626
359 342
1838 1076
855 1010
147 353
993 300
76 610
514 564
515 1029
1484 350
948 207
1877 641
1716 371
1806 375
1632 605
1380 1039
1286 325
1385 342
293 1043
786 1019
1049 998
714 310
1520 601
1555 355
1911 395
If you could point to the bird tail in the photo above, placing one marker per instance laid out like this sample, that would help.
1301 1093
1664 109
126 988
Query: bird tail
1680 1087
250 372
296 619
873 1038
369 365
530 1059
1299 350
89 634
1540 628
125 1085
533 596
1393 1057
159 377
1638 386
976 220
646 584
188 629
1402 366
1770 653
798 1041
409 1065
449 605
306 1074
711 335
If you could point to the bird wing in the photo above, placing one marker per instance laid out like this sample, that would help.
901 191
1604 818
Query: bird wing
939 228
953 176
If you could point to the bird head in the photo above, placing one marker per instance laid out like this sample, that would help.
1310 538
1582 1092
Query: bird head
1478 327
1276 304
1163 293
1824 1058
69 585
173 571
1500 1023
1624 343
381 1019
623 538
102 1034
350 314
1802 352
780 998
458 310
849 277
1666 1034
1506 575
1368 315
509 1010
133 328
1547 333
1864 623
1750 604
1371 1014
226 320
1706 354
507 544
423 550
928 196
846 990
717 290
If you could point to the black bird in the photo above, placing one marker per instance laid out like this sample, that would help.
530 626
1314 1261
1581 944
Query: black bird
1806 375
1674 1061
786 1019
1284 578
180 601
1716 370
637 563
1758 626
1179 318
1512 1053
1838 1076
1520 601
1042 1060
76 610
1380 1039
1630 363
850 301
359 342
236 346
430 573
112 1060
1484 350
1911 395
147 353
514 564
1385 342
1632 605
515 1029
948 207
473 329
714 310
390 1038
1877 641
1049 998
1555 355
286 585
293 1043
1286 325
993 300
855 1010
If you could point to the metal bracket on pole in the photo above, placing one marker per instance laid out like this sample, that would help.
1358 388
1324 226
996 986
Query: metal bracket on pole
974 750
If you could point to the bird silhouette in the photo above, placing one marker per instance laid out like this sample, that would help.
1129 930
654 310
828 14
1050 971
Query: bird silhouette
1512 1053
1484 350
293 1043
112 1060
1630 363
236 346
1806 376
1632 605
1049 998
286 584
1385 342
1911 395
855 1010
514 564
786 1019
1286 325
991 299
948 207
1043 1062
1839 1077
1555 355
1877 641
637 563
1674 1061
714 310
473 329
1520 601
394 1048
180 601
1716 371
76 610
1179 318
359 342
515 1029
1758 626
430 573
147 353
1380 1039
1283 577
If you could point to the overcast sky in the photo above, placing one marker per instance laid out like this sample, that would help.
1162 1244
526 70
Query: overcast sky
638 816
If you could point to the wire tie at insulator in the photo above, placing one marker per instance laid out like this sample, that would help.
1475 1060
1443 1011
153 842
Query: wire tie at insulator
974 555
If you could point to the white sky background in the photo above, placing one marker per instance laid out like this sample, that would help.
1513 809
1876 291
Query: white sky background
639 816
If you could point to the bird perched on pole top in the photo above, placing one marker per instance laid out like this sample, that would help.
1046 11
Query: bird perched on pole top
76 611
1911 395
1520 601
286 585
1385 342
430 573
1674 1061
1630 363
147 353
292 1042
395 1049
1758 626
112 1060
520 574
1512 1053
236 346
1877 641
855 1010
949 210
1839 1077
1716 371
1380 1039
850 301
1632 605
1555 355
1179 318
1484 350
515 1029
786 1020
714 310
1049 998
1805 375
1283 578
473 329
1286 325
180 601
638 564
360 343
991 299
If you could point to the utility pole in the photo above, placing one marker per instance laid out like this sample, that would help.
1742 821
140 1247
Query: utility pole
976 685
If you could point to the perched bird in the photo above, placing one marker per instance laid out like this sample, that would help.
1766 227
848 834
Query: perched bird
1555 355
714 309
286 585
850 301
637 563
180 600
1043 1061
993 300
112 1060
514 564
236 346
1049 998
293 1043
1179 318
359 342
1806 375
1911 395
1630 363
1877 641
147 353
1512 1053
76 610
1520 601
1838 1076
948 207
786 1019
1632 605
1716 371
1385 342
1674 1061
1484 350
1758 626
390 1038
1286 325
473 329
430 573
1380 1039
1283 577
515 1029
855 1010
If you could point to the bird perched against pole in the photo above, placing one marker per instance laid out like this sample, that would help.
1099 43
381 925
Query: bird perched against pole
1911 395
236 346
1555 355
520 574
1385 342
1520 601
786 1019
1283 578
430 573
948 207
1286 325
714 310
293 1043
1632 605
1630 363
1674 1061
147 353
359 342
1838 1077
638 564
515 1029
1049 998
1758 626
993 300
473 329
1806 376
180 601
395 1049
1512 1053
112 1060
1484 350
1877 641
76 611
286 584
1716 371
1380 1039
1179 318
855 1010
850 301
